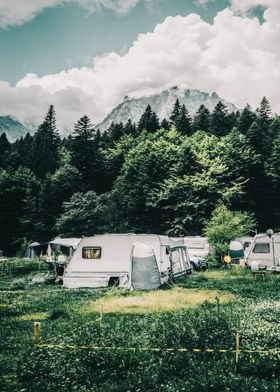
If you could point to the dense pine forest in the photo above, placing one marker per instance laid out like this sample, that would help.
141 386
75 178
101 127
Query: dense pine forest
160 177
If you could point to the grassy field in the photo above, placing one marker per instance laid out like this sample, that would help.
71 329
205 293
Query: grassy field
203 311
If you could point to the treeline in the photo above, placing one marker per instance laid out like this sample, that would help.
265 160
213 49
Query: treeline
161 177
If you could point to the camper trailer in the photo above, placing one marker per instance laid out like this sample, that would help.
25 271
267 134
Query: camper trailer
112 259
198 250
264 252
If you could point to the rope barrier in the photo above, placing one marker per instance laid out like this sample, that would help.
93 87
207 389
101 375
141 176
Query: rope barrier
155 349
237 349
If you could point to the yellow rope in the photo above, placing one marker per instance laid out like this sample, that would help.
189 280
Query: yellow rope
152 349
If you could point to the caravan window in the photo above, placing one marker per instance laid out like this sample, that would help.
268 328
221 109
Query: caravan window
261 248
91 252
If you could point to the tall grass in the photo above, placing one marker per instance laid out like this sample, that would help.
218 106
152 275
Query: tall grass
71 317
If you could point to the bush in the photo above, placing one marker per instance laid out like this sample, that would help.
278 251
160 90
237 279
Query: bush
224 226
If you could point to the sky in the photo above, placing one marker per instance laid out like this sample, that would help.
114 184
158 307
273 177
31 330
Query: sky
84 56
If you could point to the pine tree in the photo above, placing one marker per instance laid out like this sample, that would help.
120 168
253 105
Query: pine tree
183 121
46 142
165 124
15 187
260 133
264 114
201 120
115 132
5 149
129 128
83 150
219 123
86 152
175 112
148 121
154 125
246 119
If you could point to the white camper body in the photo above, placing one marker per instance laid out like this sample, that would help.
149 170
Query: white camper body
197 246
264 252
104 260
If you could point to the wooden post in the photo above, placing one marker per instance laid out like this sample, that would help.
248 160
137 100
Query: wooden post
237 347
36 334
101 315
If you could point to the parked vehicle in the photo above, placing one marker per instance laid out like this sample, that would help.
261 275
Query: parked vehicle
264 252
109 259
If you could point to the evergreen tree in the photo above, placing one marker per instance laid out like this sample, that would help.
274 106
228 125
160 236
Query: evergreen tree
272 170
264 115
246 119
175 112
219 123
15 187
148 121
260 134
84 151
55 190
201 120
129 128
183 121
5 149
114 133
154 126
165 124
261 189
21 153
46 141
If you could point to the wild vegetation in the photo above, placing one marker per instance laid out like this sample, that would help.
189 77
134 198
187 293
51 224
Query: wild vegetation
165 178
214 305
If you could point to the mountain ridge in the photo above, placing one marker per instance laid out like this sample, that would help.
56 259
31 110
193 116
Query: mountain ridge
132 108
162 104
12 128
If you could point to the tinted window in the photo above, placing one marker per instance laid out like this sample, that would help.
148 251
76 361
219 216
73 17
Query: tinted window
91 252
261 248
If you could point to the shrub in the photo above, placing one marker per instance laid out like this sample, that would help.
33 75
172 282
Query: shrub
224 226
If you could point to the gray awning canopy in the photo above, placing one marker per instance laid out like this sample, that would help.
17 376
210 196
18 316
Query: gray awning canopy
67 242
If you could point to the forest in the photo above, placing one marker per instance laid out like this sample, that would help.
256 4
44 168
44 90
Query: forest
164 177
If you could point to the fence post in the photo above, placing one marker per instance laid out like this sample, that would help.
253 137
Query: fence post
101 316
237 347
36 334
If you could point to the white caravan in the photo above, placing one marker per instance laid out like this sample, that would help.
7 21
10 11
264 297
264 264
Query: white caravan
264 252
105 260
197 246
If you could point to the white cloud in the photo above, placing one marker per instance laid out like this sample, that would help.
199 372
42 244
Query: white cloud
245 5
236 56
17 12
203 3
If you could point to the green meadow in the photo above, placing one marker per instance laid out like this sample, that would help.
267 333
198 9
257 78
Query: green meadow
116 340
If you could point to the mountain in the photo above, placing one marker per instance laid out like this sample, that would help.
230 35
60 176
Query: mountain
13 129
162 104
